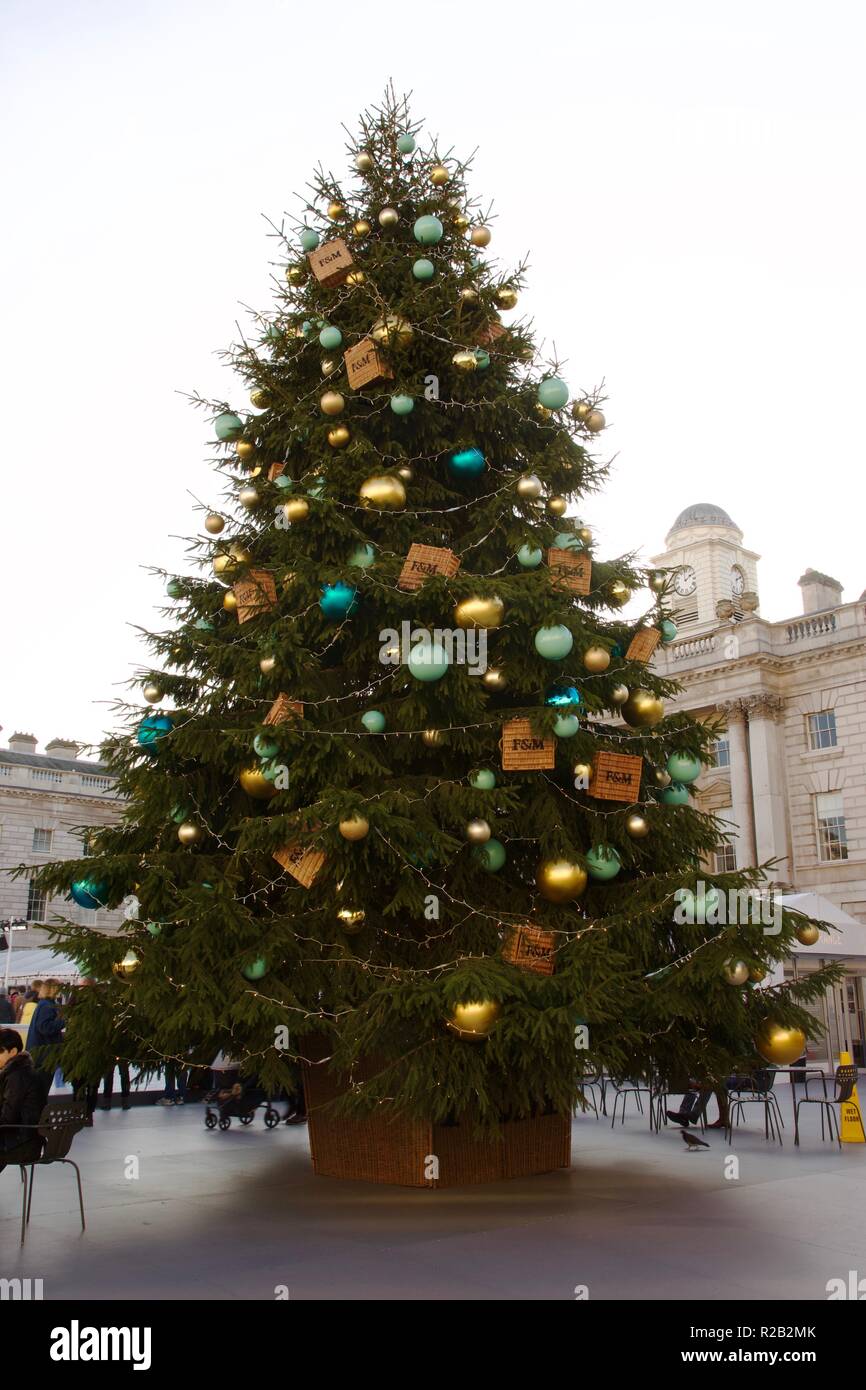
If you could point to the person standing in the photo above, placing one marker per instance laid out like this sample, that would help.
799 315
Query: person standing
29 1000
175 1085
108 1086
7 1008
46 1025
23 1092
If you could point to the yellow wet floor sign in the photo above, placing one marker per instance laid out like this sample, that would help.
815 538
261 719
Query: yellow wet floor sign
852 1130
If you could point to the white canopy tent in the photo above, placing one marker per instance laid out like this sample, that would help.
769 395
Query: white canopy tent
849 938
37 963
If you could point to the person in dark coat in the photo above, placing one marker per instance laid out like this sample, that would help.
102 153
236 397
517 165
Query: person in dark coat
7 1008
23 1093
46 1025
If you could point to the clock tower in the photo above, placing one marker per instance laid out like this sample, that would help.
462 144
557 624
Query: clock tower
715 576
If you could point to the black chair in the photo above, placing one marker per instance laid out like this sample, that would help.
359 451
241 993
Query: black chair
760 1093
586 1092
622 1091
58 1125
845 1081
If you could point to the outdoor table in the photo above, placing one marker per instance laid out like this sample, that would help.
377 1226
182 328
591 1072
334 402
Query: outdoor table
805 1072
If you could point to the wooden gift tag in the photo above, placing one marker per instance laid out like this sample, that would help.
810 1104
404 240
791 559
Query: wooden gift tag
490 332
615 776
302 863
570 569
255 594
530 948
643 644
522 750
332 262
424 560
365 363
275 470
282 709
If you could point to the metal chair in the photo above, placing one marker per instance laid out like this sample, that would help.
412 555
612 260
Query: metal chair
761 1093
587 1088
622 1090
58 1125
845 1081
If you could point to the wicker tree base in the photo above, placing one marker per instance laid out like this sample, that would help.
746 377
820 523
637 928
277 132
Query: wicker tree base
415 1153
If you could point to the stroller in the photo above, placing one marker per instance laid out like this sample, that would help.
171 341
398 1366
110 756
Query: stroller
232 1098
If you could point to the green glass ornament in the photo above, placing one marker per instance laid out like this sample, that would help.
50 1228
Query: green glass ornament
490 856
402 405
428 661
405 142
330 338
423 269
552 393
668 630
675 795
361 556
567 540
482 357
428 230
256 969
566 726
309 239
265 747
373 721
683 767
228 425
173 588
483 780
603 862
530 556
554 642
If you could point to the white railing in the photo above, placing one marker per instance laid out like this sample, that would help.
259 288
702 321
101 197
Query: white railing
694 646
811 627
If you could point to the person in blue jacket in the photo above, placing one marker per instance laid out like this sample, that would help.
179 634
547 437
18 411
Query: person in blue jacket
46 1025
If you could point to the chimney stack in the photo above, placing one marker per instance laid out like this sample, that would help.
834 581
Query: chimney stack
820 592
63 748
22 743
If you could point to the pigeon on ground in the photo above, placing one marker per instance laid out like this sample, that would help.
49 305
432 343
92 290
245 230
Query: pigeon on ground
691 1141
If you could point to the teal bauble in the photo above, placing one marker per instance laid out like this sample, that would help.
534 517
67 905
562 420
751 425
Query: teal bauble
562 694
552 393
152 729
338 600
402 405
282 481
603 862
273 333
675 795
482 357
373 721
307 328
567 540
405 142
265 747
428 661
228 426
271 768
204 625
489 856
309 239
423 269
566 726
467 463
174 588
553 643
361 556
89 892
530 556
482 780
683 767
668 630
330 337
428 230
153 928
256 969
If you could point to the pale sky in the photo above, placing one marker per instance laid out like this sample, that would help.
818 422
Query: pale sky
687 179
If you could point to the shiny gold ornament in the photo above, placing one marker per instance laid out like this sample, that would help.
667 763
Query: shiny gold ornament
581 410
583 771
332 403
494 679
329 365
584 534
619 695
355 277
478 831
339 436
213 523
392 331
433 738
296 509
596 659
642 709
354 827
637 827
469 295
384 492
439 176
480 236
808 934
153 693
254 472
335 210
529 487
124 970
619 593
249 497
351 919
189 833
479 611
757 973
362 227
405 473
388 217
506 296
256 785
472 1022
461 221
223 564
662 777
267 665
559 880
260 398
557 506
658 581
465 361
779 1044
542 411
230 603
364 162
735 972
244 450
296 274
595 422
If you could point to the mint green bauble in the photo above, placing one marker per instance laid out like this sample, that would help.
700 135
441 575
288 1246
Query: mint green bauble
428 230
256 969
530 556
309 239
489 856
668 630
603 862
228 425
330 338
483 780
675 795
428 661
482 357
271 768
423 269
362 556
282 481
373 721
153 928
683 767
567 540
552 393
405 142
173 588
402 405
553 643
316 487
566 726
265 747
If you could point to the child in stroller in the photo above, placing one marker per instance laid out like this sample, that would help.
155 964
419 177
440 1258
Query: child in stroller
233 1098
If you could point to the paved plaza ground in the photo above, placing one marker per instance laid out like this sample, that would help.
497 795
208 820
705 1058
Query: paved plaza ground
235 1215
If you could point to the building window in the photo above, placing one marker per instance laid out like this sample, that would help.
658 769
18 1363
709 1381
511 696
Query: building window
42 840
830 819
822 729
721 753
725 856
36 903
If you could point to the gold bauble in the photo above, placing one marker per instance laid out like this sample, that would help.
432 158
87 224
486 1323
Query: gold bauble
619 695
494 679
244 449
465 361
255 784
658 581
557 506
595 422
351 919
392 331
389 217
335 210
260 398
461 221
295 274
583 771
296 509
124 969
596 659
807 934
405 473
779 1044
480 236
362 227
736 972
580 410
339 436
529 487
230 603
364 162
189 833
478 831
469 295
506 296
384 492
223 564
637 827
354 827
559 880
329 365
584 534
249 497
479 611
473 1021
642 709
254 472
757 973
542 411
433 738
332 403
662 777
355 277
619 593
153 693
439 176
267 665
213 523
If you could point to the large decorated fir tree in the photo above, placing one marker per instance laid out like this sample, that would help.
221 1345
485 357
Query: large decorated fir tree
408 792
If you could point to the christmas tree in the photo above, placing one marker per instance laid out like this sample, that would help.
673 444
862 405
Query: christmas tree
410 793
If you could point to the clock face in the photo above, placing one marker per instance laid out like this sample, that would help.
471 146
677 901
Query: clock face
686 581
738 581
